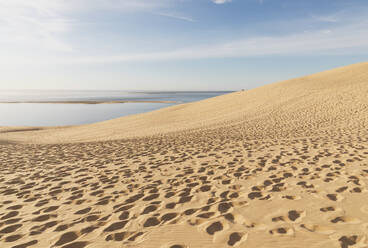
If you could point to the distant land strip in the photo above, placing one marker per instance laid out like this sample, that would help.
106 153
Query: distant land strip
88 102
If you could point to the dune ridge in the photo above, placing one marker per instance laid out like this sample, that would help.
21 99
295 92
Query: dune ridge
326 100
283 165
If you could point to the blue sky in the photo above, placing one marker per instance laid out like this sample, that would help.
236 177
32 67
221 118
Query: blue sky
175 44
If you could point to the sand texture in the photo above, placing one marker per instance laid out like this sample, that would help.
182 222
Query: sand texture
283 165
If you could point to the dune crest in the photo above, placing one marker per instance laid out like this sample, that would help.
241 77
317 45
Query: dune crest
283 165
326 101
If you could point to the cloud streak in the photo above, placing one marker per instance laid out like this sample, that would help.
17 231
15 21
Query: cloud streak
35 23
343 40
175 16
347 39
42 22
221 1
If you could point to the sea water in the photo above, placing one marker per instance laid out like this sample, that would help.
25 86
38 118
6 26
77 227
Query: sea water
52 114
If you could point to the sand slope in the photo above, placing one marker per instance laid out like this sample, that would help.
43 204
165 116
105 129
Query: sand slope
328 100
284 165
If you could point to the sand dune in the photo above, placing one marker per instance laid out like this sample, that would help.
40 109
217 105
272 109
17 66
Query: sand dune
283 165
323 102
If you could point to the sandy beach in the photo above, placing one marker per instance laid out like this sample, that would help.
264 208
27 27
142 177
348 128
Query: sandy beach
282 165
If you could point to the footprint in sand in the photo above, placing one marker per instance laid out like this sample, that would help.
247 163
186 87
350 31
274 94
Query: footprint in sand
335 197
67 238
13 238
280 231
292 216
25 245
120 236
178 246
345 220
214 227
317 228
79 244
236 239
350 240
10 229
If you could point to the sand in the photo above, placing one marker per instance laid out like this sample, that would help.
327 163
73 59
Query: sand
283 165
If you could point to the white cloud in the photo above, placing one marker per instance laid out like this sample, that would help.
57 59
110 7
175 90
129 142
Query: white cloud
347 39
329 19
122 5
221 1
35 22
42 23
175 16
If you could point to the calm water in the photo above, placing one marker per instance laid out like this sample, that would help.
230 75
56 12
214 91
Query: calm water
44 114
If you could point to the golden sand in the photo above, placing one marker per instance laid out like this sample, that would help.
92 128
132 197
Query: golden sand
283 165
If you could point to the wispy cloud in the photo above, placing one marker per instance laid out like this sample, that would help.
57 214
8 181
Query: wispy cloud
35 22
175 16
329 18
122 5
41 23
221 1
347 39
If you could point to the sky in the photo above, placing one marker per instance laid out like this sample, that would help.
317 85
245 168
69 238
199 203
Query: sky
175 44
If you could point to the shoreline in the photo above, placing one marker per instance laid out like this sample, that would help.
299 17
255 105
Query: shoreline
86 102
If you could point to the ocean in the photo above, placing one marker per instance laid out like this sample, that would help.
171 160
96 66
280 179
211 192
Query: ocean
51 114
